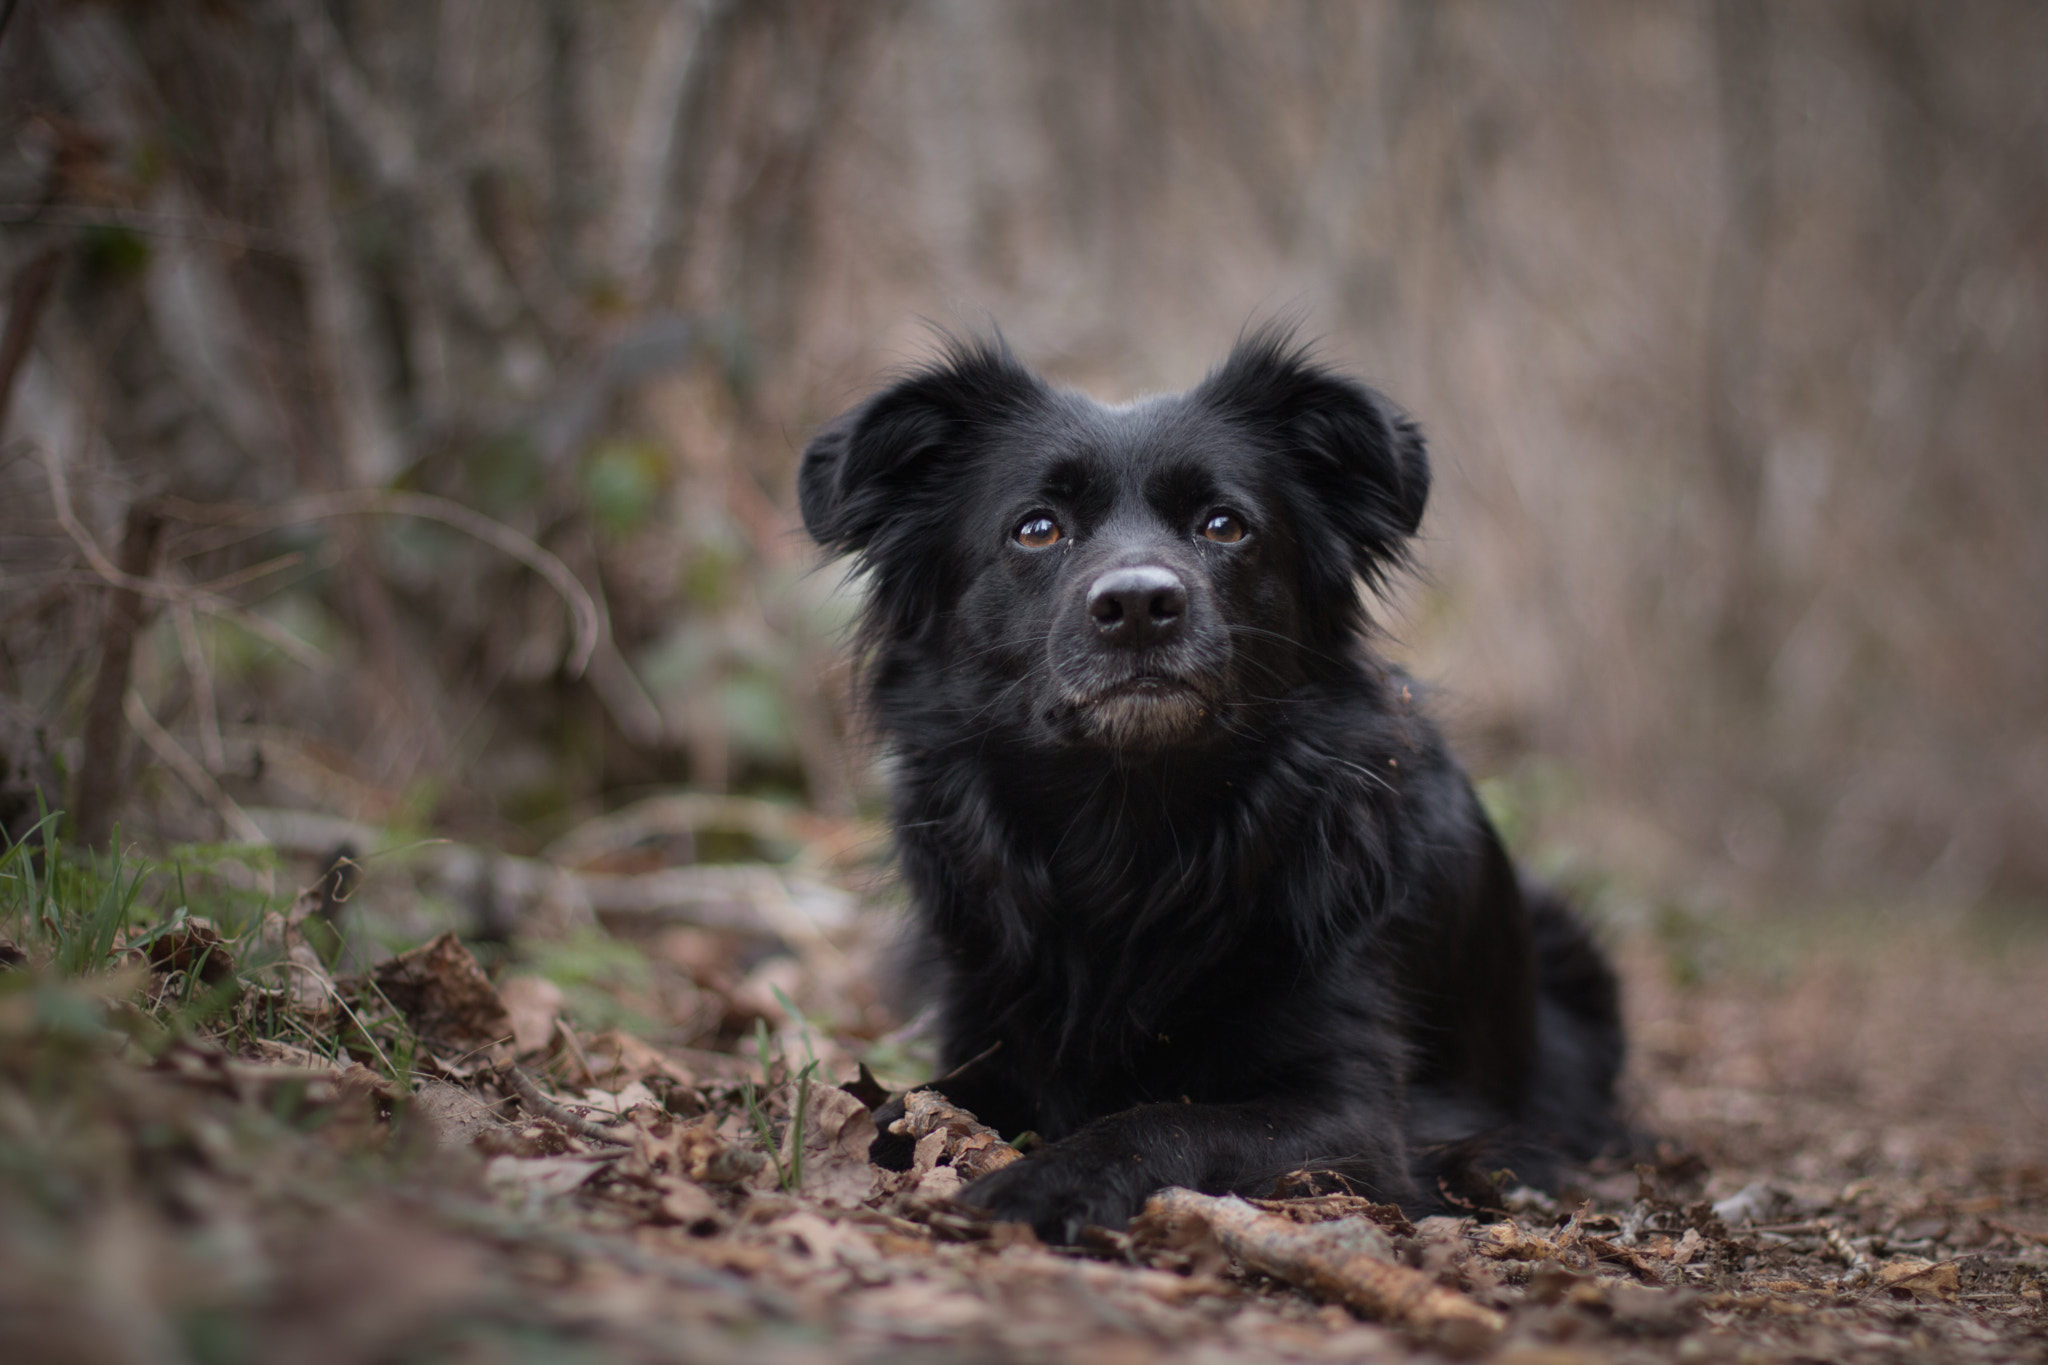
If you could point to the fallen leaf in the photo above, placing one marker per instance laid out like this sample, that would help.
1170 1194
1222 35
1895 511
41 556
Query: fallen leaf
609 1106
667 1146
359 1082
531 1003
1922 1279
193 945
445 993
540 1177
453 1115
938 1185
290 1054
838 1130
618 1059
690 1205
917 1310
1507 1241
822 1240
1754 1203
309 990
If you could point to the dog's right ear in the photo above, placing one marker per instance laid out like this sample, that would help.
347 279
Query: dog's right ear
884 463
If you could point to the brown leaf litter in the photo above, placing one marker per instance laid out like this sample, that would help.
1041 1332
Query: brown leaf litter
534 1187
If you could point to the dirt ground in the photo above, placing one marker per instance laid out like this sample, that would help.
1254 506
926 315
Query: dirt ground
445 1164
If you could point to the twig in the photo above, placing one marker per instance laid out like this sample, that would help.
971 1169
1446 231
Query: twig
591 627
211 752
540 1106
395 160
180 227
2017 1234
142 586
188 769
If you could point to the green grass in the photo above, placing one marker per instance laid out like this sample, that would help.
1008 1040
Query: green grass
83 925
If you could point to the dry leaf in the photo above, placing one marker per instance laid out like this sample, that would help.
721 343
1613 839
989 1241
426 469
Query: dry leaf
446 994
838 1131
690 1205
822 1240
359 1082
1922 1279
453 1115
193 945
531 1003
1509 1242
538 1177
666 1146
309 990
618 1059
610 1106
289 1054
925 1155
938 1185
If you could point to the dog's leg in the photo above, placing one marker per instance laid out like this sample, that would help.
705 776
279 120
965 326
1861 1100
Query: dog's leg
1103 1174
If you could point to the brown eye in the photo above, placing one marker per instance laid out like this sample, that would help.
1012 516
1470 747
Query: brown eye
1223 528
1038 531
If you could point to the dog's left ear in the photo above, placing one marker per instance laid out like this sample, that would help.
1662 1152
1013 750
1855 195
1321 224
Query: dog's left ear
1360 459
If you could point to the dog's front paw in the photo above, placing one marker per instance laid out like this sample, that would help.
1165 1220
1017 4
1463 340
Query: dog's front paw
1060 1194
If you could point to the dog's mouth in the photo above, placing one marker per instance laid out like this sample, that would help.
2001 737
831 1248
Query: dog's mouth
1144 711
1146 685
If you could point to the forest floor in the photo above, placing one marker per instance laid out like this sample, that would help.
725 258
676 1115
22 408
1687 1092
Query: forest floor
250 1131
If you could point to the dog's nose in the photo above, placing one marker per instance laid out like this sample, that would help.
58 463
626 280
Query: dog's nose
1138 606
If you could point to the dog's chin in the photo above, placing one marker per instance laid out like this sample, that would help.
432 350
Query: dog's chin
1145 715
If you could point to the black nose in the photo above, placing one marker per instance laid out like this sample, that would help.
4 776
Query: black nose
1138 606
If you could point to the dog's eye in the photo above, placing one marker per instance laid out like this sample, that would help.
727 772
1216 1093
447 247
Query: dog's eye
1224 528
1038 531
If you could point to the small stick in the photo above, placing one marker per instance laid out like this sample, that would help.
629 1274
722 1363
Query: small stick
1350 1261
540 1106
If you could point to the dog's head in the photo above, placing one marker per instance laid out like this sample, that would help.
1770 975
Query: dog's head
1136 577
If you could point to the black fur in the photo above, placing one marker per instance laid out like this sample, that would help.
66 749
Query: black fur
1184 852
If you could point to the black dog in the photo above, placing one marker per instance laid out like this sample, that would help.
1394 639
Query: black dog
1196 875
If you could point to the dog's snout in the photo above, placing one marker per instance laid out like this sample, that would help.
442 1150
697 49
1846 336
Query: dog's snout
1141 605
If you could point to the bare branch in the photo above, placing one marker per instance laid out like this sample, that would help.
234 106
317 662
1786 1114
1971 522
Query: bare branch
395 158
189 770
593 629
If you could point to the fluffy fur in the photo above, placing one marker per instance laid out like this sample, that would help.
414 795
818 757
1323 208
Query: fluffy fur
1198 881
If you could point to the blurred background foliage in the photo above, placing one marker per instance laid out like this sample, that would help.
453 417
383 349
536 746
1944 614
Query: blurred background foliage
435 374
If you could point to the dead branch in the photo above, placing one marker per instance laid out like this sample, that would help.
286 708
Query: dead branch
142 586
591 625
747 898
1350 1261
395 158
190 648
176 227
31 290
189 770
541 1107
